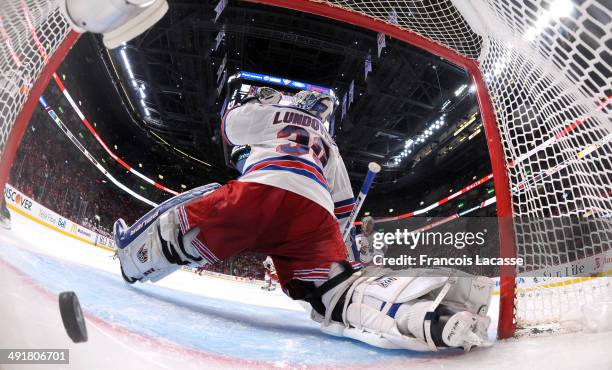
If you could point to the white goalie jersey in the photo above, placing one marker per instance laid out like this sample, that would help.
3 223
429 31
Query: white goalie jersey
291 149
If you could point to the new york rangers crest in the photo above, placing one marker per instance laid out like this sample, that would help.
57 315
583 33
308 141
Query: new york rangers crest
142 254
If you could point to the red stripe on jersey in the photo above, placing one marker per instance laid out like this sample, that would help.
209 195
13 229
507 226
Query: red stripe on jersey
289 164
343 209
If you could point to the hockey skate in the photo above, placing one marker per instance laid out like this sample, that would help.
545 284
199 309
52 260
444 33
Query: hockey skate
155 246
5 217
5 222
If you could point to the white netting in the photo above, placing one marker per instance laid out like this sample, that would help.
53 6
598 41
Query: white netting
439 21
30 32
547 69
547 66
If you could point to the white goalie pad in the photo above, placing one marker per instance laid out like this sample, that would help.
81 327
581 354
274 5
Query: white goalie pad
150 249
468 292
385 309
144 259
472 294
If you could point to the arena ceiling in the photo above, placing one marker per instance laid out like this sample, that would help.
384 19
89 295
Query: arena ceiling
414 113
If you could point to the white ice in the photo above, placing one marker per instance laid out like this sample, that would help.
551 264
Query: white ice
192 322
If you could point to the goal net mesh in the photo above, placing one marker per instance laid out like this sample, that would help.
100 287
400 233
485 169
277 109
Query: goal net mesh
546 65
30 33
547 69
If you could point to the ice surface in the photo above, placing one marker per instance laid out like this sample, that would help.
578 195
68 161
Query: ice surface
187 321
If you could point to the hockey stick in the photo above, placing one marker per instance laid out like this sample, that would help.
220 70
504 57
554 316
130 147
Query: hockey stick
373 169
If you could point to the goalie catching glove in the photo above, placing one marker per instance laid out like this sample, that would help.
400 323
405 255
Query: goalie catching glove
264 95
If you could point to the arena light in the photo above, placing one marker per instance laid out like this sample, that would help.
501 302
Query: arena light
473 134
460 89
427 132
140 89
126 62
464 125
557 10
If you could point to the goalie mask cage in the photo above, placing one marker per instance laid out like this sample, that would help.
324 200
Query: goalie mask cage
542 75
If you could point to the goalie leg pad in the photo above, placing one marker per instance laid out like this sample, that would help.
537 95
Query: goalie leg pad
155 246
471 293
422 312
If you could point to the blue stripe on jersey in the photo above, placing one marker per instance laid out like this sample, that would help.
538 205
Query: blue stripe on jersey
306 173
345 202
287 158
273 163
342 215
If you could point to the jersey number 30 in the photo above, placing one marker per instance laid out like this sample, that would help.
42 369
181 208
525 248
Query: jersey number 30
301 143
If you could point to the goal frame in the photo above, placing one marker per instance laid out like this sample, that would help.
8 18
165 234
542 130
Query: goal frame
507 248
25 114
506 324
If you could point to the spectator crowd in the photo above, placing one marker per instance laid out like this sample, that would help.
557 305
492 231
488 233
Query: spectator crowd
50 169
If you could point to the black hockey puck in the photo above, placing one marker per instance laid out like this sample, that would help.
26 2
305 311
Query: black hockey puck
72 316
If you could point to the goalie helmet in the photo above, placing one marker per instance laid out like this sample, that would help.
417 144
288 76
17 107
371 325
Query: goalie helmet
318 104
367 225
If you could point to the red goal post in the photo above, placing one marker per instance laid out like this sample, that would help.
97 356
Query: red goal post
45 59
22 40
542 74
34 40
